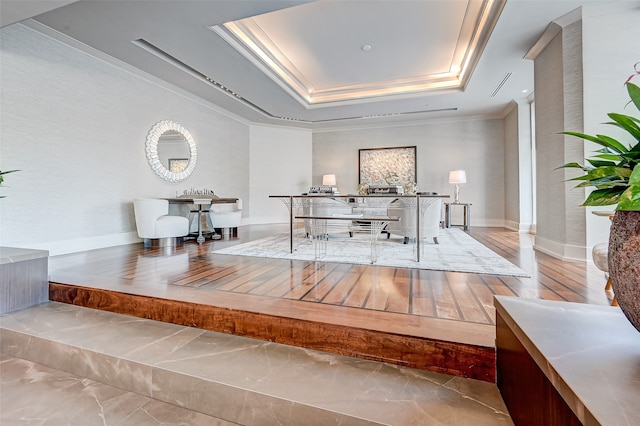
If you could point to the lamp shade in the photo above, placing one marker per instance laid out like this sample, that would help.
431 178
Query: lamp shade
457 176
329 180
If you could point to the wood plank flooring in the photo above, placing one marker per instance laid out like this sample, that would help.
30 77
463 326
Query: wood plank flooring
441 321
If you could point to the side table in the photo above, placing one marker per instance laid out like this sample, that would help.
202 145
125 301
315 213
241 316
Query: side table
467 215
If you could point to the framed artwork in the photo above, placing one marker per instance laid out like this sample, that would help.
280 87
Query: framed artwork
178 165
387 166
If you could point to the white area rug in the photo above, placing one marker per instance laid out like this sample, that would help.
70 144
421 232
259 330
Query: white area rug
456 252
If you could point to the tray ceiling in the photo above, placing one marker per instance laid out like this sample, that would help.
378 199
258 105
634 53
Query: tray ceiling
320 64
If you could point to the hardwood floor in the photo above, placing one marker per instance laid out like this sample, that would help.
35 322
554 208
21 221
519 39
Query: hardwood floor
436 320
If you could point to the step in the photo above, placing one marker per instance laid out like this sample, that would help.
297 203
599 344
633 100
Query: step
30 391
241 380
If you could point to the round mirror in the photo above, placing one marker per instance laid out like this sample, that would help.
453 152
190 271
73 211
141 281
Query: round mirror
171 151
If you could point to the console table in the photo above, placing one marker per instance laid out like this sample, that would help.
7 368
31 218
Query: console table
319 226
561 363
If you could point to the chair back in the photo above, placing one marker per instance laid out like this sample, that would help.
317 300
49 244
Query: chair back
225 215
226 207
147 211
431 214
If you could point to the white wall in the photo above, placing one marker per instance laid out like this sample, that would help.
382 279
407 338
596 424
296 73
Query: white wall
560 226
75 126
512 179
476 146
518 168
280 165
579 79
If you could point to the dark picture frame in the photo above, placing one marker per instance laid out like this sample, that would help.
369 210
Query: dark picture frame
387 166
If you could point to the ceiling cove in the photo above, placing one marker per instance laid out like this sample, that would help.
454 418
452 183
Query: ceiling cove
298 59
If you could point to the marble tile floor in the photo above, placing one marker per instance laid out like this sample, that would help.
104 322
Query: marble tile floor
136 371
31 393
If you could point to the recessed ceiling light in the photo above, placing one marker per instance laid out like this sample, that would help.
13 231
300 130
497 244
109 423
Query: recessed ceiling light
525 91
366 47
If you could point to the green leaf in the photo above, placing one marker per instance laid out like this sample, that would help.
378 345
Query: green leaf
605 183
605 171
574 165
602 197
630 199
635 151
634 178
610 143
611 157
627 123
634 94
637 120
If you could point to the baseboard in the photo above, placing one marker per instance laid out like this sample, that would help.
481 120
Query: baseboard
525 228
561 251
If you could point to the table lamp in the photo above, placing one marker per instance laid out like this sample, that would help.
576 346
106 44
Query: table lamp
457 177
329 180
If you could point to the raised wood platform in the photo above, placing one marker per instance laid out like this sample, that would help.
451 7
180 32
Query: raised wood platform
431 320
418 342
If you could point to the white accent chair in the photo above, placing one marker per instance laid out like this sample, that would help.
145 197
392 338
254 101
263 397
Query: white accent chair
225 218
156 226
431 217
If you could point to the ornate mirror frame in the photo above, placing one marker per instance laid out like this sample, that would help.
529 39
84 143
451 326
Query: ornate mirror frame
151 149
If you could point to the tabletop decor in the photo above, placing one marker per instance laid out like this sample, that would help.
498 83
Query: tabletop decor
410 188
615 173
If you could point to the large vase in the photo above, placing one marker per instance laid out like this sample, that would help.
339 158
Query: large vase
624 263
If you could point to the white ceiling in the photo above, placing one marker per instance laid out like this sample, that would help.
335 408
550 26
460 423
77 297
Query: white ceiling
362 61
428 59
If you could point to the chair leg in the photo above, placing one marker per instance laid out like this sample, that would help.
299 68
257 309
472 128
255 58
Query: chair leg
614 302
406 240
435 240
608 285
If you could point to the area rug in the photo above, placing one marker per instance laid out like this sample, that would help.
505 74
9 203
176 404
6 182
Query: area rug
457 252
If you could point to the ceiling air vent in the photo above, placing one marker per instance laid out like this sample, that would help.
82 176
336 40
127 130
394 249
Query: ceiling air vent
499 86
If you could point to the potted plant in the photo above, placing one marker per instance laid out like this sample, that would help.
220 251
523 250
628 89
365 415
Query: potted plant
615 174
